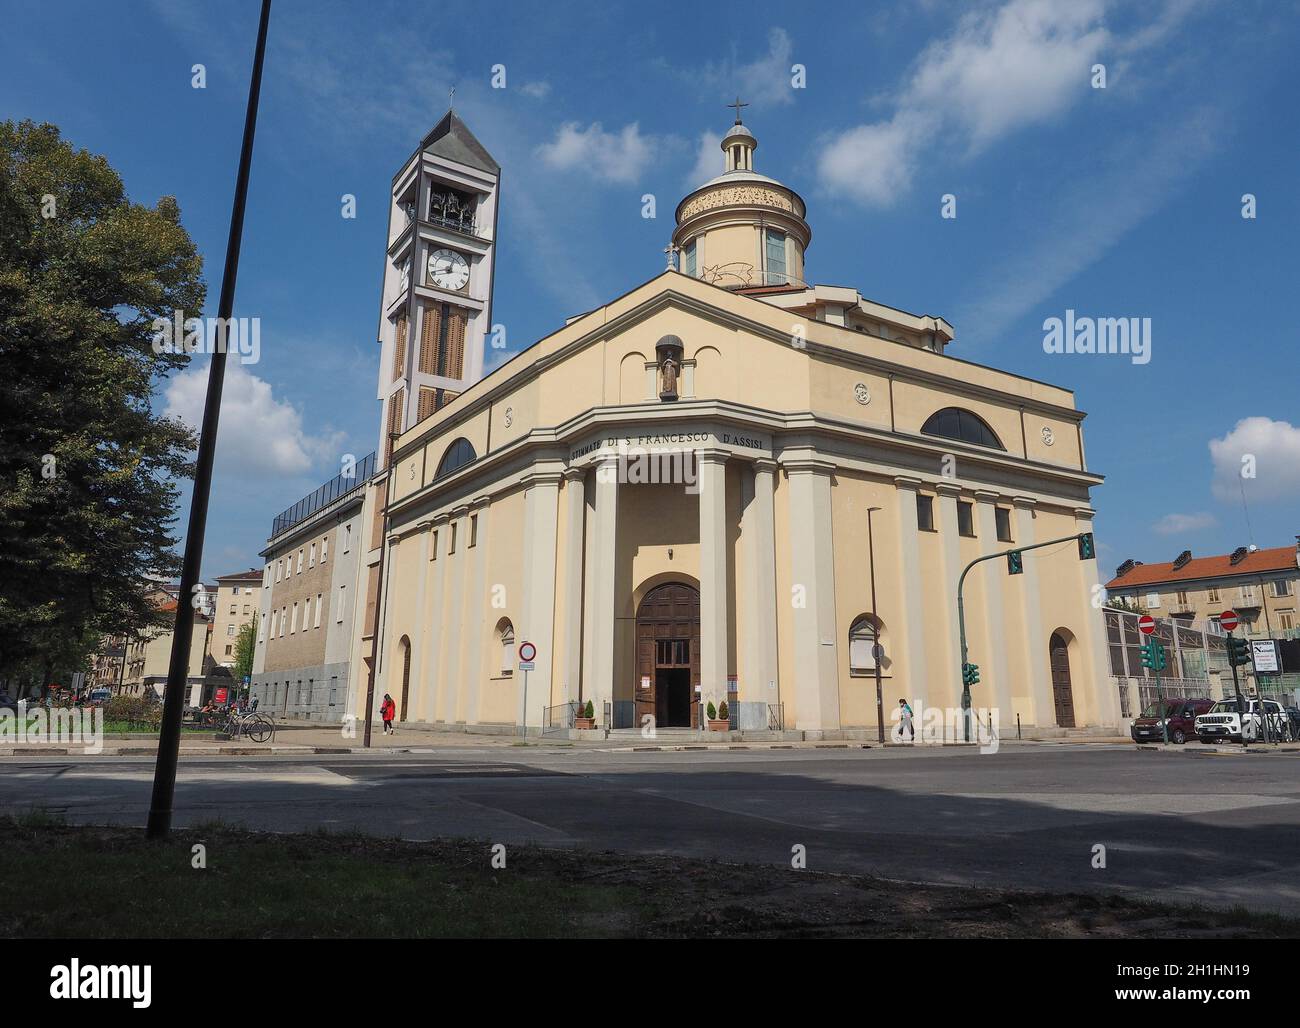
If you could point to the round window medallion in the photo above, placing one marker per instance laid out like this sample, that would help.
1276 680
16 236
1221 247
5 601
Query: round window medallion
862 394
1048 436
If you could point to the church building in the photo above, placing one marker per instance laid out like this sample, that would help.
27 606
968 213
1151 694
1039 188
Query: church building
727 484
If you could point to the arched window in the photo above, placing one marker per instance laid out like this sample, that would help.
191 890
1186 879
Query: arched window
963 425
458 454
506 641
863 637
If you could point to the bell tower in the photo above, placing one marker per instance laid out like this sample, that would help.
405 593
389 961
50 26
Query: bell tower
742 230
436 301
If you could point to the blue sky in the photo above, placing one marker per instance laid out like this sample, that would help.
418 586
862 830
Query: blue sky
1117 202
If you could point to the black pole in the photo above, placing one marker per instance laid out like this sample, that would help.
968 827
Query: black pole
169 737
379 595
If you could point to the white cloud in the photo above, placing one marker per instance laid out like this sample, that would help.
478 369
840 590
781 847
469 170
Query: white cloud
537 90
1179 524
257 435
1000 70
709 161
1260 455
607 156
764 82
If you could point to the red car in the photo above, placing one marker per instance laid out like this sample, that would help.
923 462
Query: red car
1179 711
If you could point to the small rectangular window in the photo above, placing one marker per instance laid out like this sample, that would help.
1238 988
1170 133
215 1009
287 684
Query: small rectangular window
347 538
338 614
690 258
319 598
473 530
924 512
1281 587
965 518
293 625
1002 516
311 563
775 257
452 547
1212 594
324 549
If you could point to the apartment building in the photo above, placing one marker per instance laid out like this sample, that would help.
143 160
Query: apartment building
308 587
1261 585
237 603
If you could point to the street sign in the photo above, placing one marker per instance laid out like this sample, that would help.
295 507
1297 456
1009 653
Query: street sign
1264 654
1146 624
527 665
527 651
1228 619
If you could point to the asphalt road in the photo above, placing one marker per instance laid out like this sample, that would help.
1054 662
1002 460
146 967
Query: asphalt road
1200 827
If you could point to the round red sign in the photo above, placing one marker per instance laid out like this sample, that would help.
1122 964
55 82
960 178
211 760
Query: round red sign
527 651
1228 619
1146 624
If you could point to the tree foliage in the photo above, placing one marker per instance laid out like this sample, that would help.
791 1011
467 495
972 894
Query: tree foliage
244 644
88 470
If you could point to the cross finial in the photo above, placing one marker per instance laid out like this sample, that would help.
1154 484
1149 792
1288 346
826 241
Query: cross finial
738 105
451 99
670 252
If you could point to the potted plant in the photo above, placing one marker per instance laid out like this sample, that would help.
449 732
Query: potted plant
718 720
586 716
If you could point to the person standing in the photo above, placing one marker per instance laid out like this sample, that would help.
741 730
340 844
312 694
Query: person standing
386 711
905 722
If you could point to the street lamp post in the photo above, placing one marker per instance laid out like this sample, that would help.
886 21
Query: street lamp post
169 736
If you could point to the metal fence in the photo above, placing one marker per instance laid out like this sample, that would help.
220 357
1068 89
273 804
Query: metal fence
559 718
338 486
776 717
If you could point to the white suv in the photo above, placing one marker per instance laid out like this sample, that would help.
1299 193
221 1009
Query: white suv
1224 722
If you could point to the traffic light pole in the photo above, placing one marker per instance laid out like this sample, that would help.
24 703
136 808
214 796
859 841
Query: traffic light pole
1236 688
961 612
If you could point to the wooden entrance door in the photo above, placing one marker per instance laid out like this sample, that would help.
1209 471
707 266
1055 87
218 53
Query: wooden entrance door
1062 694
667 641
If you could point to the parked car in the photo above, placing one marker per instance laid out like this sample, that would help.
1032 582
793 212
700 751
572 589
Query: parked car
1293 715
100 695
1179 711
1224 721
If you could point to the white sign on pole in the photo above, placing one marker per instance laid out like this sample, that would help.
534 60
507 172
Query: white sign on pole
1263 654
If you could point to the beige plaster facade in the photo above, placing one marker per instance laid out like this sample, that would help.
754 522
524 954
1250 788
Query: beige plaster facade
674 489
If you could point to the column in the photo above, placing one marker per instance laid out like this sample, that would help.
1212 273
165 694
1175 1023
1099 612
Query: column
758 686
993 574
712 472
541 505
431 701
1103 704
421 629
575 511
602 540
946 685
915 681
453 613
1038 661
817 696
479 615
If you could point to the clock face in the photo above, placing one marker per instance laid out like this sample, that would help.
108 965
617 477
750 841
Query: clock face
448 269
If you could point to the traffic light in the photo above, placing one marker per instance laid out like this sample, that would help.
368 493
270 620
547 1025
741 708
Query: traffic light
970 674
1015 563
1086 550
1238 651
1153 656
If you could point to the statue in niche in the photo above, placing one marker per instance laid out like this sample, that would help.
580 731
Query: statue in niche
668 369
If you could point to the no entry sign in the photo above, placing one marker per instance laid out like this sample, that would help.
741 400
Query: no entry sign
1146 624
1228 619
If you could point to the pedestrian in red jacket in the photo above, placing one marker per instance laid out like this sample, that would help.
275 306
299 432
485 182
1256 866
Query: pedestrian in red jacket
387 710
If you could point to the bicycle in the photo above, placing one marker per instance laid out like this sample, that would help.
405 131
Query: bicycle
256 726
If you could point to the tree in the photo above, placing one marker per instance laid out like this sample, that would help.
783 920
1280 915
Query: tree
88 471
244 644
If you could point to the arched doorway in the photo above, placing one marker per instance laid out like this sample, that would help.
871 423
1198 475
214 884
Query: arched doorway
668 656
405 644
1062 694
